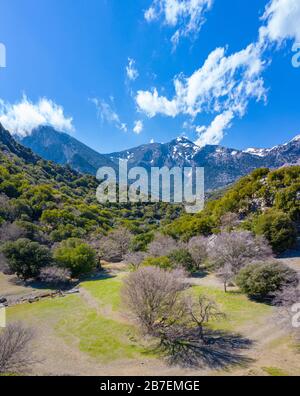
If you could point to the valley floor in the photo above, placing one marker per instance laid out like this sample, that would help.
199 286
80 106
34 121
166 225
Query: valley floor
89 334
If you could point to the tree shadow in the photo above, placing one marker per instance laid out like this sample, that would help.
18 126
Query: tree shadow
219 350
104 274
38 285
291 253
200 274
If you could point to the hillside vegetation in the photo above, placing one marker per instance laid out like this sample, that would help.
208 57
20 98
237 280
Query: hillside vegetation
52 203
265 202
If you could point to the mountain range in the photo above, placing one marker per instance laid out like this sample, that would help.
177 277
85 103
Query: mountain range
222 165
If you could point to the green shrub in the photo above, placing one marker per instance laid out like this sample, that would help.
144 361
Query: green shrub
261 280
76 256
278 229
140 242
182 258
26 258
160 262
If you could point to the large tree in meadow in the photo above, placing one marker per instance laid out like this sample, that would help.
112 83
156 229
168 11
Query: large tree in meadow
229 252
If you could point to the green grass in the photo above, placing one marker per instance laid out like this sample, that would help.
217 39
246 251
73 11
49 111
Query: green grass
80 326
275 372
106 338
238 308
102 338
106 291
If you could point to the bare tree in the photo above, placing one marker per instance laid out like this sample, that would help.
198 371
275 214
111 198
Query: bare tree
108 250
4 267
162 245
197 247
229 252
114 246
11 232
229 221
15 353
95 241
55 276
203 311
152 295
226 274
135 259
189 341
122 238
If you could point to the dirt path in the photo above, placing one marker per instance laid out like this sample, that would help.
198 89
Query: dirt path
102 310
272 348
210 280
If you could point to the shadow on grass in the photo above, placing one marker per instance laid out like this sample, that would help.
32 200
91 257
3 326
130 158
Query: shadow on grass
38 285
200 274
220 350
100 275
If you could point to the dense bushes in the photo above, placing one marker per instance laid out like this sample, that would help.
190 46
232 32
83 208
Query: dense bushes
260 280
278 229
26 258
182 258
62 204
162 262
55 276
76 256
266 202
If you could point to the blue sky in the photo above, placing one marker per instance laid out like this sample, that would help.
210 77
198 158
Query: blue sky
105 70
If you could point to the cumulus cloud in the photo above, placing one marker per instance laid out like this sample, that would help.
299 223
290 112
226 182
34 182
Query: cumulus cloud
281 21
24 116
131 71
186 15
138 127
225 84
152 104
107 114
214 133
222 83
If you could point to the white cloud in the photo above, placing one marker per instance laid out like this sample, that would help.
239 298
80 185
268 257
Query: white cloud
107 114
152 141
138 127
151 14
225 84
131 70
222 83
22 117
282 21
187 15
152 104
214 133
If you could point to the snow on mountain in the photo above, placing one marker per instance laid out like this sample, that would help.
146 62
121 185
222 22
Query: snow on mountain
222 165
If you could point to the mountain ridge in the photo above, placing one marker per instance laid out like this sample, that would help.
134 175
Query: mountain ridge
223 165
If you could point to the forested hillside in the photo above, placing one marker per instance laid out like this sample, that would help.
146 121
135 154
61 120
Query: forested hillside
51 211
52 203
265 202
